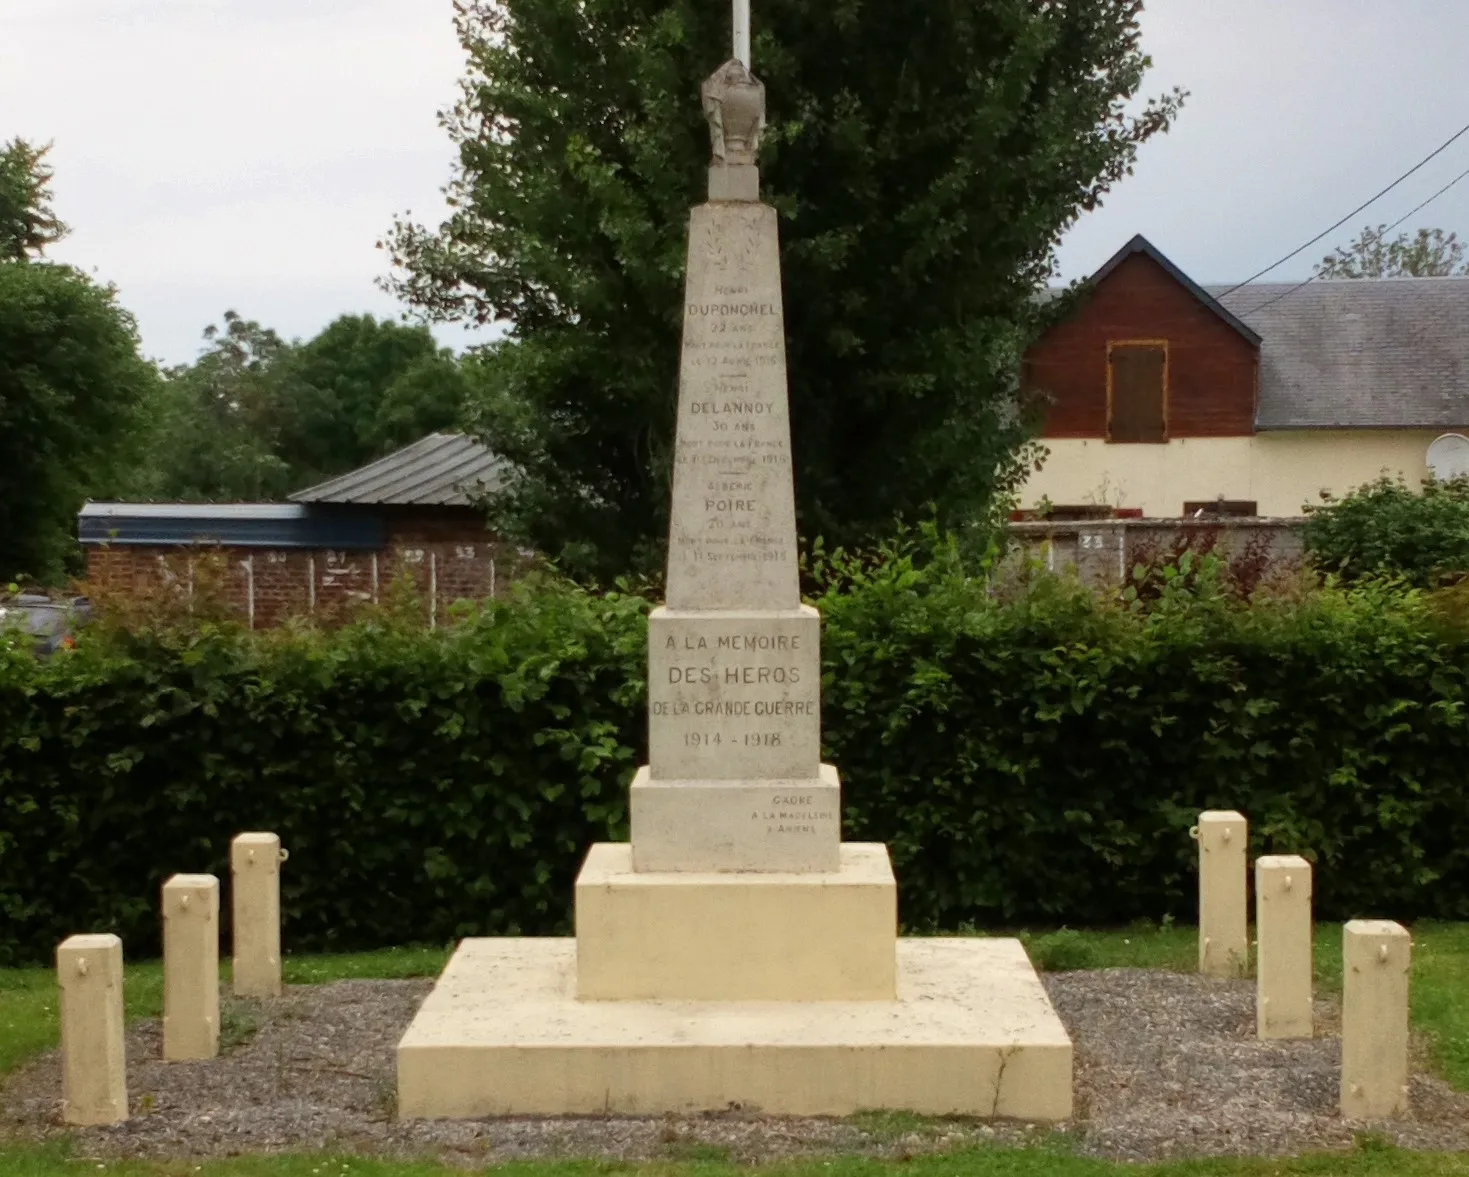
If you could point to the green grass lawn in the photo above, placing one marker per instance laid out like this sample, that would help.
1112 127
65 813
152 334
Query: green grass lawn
1440 1009
1368 1161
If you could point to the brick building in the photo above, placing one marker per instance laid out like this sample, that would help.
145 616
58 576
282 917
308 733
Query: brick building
344 542
1167 398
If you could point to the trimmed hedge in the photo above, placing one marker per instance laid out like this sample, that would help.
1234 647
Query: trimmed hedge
427 785
1031 756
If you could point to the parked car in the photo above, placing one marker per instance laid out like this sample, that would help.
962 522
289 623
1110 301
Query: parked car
50 624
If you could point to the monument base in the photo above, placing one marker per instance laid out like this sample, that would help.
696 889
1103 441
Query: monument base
737 826
728 937
972 1032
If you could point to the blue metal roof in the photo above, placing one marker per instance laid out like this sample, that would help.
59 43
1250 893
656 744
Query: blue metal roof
248 525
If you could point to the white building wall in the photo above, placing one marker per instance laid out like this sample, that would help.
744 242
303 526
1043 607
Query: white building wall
1281 472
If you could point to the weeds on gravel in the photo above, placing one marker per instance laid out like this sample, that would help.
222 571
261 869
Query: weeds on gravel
239 1020
888 1126
697 1151
1368 1160
385 1097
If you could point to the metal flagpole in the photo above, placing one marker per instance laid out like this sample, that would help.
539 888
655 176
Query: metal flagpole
742 31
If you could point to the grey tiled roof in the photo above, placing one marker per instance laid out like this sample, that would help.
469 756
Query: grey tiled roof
442 469
1384 353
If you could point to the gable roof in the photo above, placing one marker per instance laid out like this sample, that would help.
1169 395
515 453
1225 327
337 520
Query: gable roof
440 470
1142 245
1361 353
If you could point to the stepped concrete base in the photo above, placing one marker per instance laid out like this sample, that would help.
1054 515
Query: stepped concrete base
971 1033
745 937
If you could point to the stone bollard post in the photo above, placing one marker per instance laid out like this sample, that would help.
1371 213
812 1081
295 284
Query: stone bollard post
1283 928
93 1071
1224 938
190 967
255 897
1374 1019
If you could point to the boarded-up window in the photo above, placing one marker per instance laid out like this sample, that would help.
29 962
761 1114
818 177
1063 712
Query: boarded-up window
1137 378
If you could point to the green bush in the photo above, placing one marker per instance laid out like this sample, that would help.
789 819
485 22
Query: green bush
1384 527
427 785
1030 754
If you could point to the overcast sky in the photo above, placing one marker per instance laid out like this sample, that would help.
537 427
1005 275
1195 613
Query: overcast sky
247 154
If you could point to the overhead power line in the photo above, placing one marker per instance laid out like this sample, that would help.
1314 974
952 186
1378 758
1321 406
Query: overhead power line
1333 228
1417 208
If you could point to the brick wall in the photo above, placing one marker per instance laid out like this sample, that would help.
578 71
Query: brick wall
447 557
1103 552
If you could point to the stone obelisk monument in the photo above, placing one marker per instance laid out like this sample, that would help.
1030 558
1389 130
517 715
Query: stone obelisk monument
736 951
734 780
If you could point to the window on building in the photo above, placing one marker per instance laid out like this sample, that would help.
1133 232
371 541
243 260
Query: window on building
1137 392
1064 512
1221 507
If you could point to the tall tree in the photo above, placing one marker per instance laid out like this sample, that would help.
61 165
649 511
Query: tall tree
27 222
256 417
71 378
924 157
1429 253
213 426
71 381
364 386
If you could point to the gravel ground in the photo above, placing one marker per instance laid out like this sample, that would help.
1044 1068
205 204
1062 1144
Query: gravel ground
1167 1065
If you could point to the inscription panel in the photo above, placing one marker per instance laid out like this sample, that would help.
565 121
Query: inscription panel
775 825
798 813
735 696
732 538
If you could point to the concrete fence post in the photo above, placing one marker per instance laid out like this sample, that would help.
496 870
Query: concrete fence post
1374 1019
255 898
1224 939
1283 970
93 1058
190 967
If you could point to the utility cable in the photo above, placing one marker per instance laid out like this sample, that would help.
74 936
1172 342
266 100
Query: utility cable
1415 209
1333 228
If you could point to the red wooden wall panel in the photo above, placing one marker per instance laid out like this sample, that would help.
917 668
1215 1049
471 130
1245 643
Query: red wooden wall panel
1211 367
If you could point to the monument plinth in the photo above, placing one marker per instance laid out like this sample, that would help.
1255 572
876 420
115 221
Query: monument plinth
736 952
